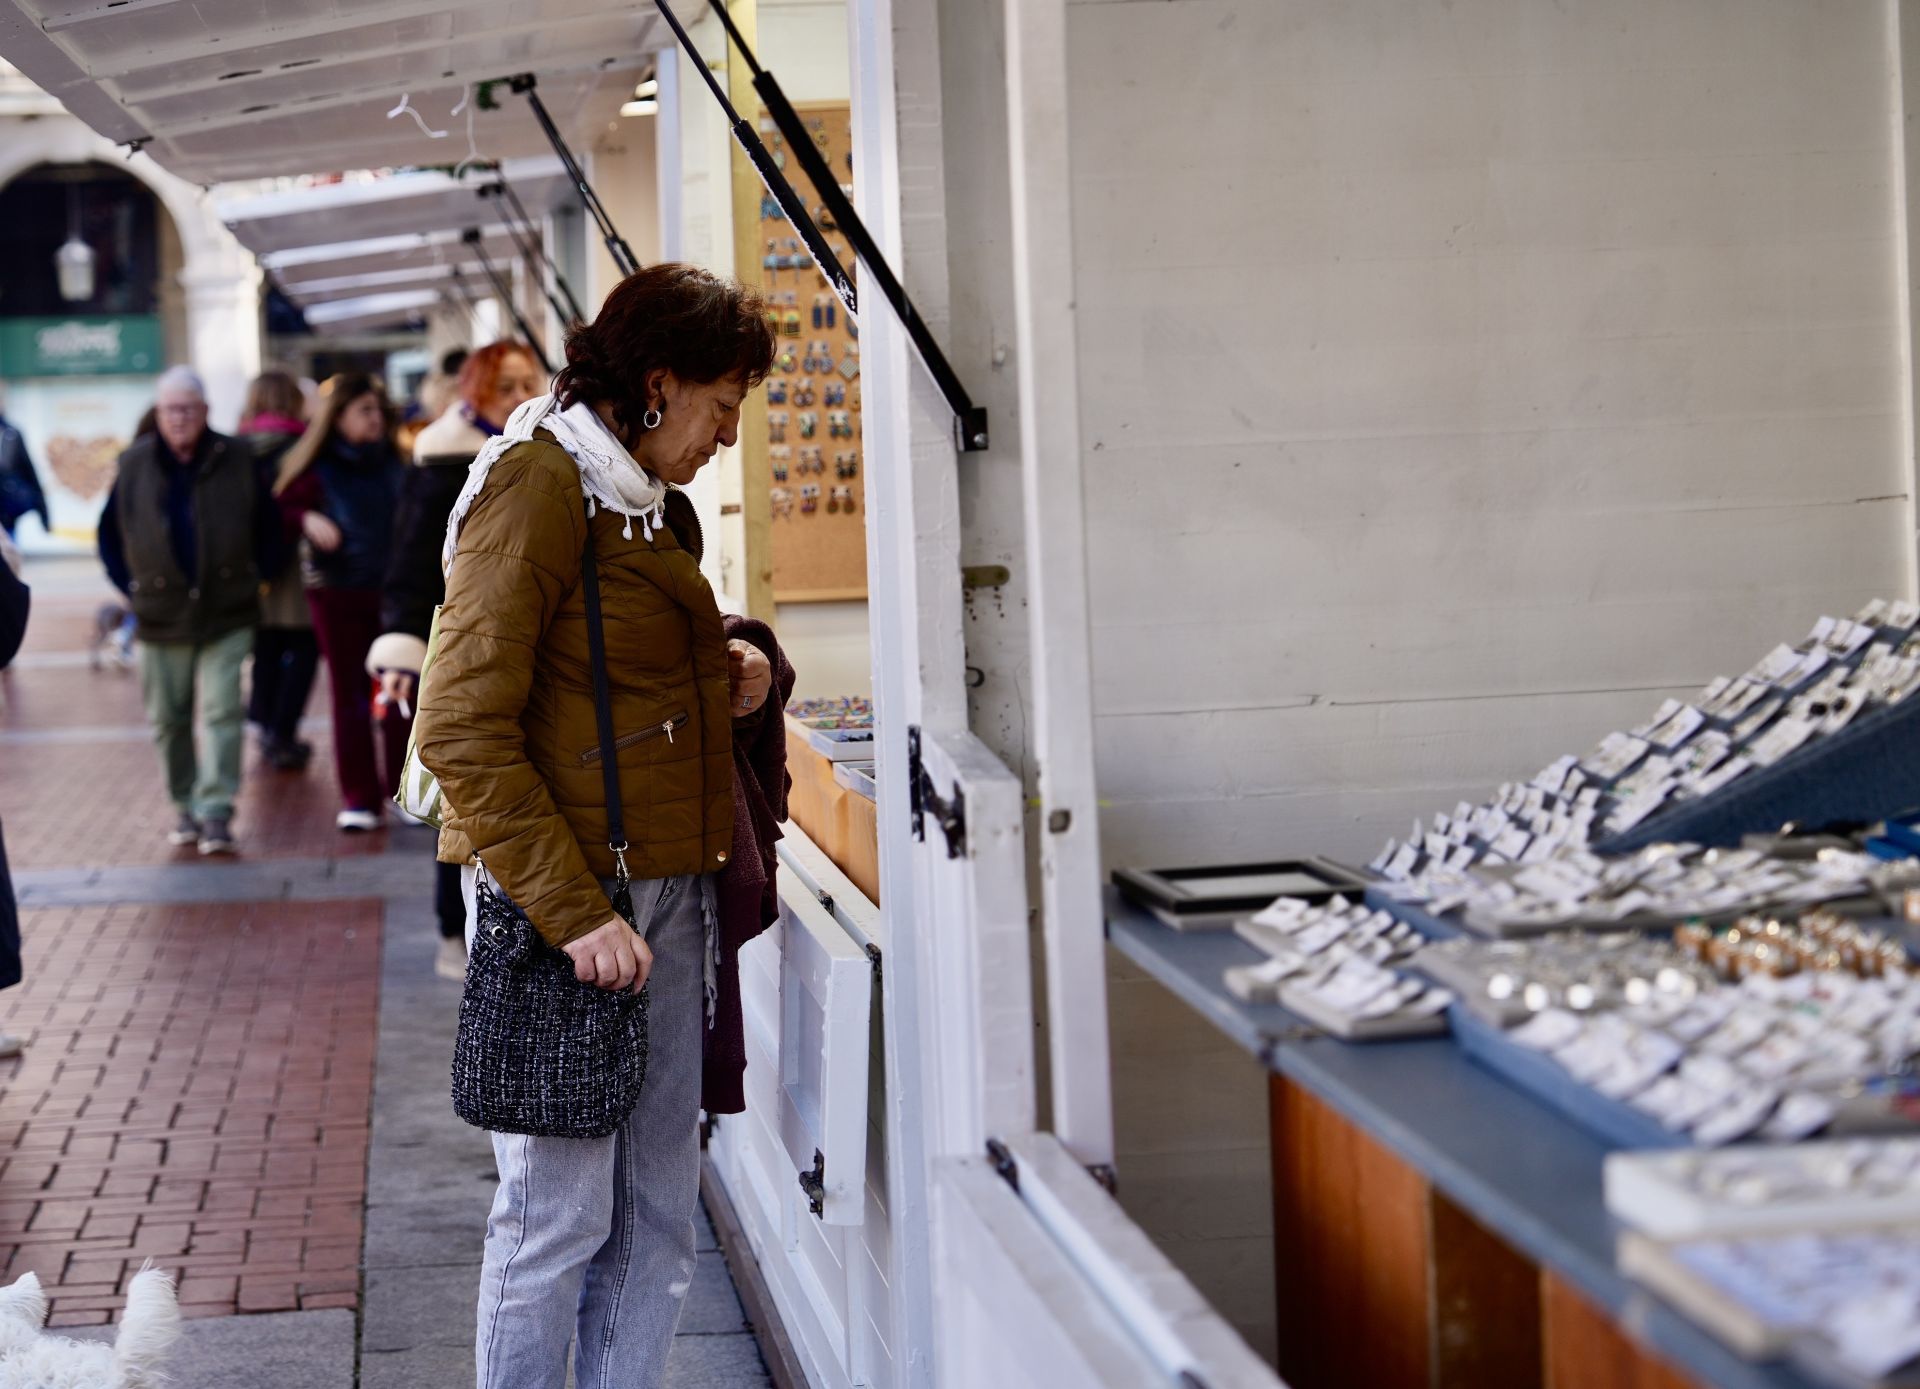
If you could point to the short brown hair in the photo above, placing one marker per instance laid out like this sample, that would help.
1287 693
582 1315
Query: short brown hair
274 393
692 322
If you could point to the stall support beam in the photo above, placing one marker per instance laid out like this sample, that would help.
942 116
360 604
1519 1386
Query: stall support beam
1905 18
756 476
1049 367
913 569
1382 1280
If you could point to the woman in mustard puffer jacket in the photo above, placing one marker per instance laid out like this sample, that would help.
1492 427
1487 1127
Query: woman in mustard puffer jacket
595 1236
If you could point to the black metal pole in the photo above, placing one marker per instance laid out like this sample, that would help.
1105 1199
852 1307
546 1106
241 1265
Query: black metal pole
534 256
466 297
520 211
970 420
756 151
617 247
505 292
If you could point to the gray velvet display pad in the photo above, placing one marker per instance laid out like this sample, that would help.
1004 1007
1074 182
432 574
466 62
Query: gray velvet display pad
1867 771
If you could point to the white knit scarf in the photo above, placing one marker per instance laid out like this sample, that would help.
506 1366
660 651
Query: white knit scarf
608 474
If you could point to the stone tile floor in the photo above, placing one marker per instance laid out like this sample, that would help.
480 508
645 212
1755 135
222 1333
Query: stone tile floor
239 1068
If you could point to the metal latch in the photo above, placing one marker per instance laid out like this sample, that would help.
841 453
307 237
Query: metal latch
925 799
814 1183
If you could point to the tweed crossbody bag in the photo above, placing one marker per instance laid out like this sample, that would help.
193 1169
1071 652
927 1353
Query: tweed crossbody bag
538 1052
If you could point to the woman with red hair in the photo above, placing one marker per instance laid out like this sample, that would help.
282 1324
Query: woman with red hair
494 382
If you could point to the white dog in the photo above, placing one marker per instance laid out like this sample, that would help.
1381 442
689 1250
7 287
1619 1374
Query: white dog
32 1359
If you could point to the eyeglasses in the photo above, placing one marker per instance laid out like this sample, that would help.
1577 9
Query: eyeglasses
183 412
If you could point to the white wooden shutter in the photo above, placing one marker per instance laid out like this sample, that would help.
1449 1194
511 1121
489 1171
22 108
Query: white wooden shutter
826 991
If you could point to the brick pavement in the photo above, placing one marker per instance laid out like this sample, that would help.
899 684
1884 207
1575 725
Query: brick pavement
198 1078
195 1090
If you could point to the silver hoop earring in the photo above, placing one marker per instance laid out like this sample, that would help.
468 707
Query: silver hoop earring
650 420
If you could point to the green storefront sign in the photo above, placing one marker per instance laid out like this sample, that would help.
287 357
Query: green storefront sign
82 345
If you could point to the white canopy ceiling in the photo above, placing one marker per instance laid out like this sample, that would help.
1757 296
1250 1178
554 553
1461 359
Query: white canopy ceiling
236 89
409 203
372 311
420 251
225 91
381 237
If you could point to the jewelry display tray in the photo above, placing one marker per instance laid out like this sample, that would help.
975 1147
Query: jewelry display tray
1653 1264
1541 1076
1659 1195
1867 771
1484 1040
857 777
1444 927
1349 1029
842 744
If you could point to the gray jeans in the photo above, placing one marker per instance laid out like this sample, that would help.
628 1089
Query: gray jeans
593 1237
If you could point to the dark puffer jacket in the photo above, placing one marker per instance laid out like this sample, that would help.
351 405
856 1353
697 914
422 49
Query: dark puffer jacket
357 489
442 454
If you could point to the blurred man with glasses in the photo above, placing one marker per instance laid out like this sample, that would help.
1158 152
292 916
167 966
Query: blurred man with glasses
186 535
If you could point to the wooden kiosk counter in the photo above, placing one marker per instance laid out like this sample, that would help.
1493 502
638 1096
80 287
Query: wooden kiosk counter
1433 1225
842 821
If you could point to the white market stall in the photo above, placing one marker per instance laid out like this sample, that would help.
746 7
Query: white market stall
960 1238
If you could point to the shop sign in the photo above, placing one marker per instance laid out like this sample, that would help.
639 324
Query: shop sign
80 345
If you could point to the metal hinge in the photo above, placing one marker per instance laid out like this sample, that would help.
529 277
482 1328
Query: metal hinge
814 1183
1003 1162
873 954
925 800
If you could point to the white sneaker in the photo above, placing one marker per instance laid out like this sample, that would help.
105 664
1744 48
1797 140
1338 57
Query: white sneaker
185 831
11 1046
357 821
451 962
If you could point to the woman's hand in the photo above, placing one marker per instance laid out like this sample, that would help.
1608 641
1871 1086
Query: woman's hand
749 676
396 686
319 528
613 956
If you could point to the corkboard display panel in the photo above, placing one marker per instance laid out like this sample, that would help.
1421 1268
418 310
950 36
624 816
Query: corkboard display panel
818 535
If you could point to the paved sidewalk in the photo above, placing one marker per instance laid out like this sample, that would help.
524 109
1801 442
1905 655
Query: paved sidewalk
239 1068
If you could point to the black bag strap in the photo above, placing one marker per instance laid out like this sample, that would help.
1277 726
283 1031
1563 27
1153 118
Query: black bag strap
603 704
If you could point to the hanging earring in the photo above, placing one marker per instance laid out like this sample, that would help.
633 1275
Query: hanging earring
650 420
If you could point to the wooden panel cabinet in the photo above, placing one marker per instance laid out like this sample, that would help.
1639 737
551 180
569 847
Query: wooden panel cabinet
1382 1280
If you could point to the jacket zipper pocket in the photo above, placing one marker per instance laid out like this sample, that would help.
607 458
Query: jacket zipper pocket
626 740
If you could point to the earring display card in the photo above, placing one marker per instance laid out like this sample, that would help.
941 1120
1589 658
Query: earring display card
819 537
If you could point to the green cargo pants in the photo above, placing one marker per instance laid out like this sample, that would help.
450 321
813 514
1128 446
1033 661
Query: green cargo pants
171 674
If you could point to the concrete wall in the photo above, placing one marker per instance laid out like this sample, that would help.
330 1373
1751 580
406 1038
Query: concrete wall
1457 380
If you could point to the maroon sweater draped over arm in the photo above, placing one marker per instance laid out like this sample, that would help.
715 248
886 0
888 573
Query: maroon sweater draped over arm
748 900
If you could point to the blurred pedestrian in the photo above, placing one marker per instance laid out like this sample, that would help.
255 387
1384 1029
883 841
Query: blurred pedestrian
20 493
285 654
186 535
338 487
493 383
14 601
